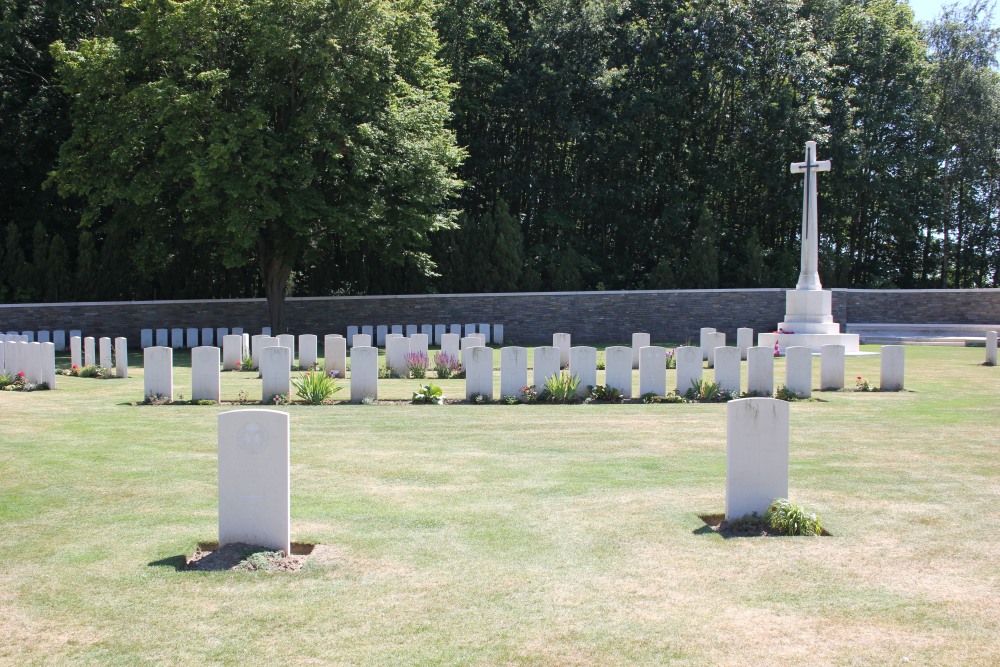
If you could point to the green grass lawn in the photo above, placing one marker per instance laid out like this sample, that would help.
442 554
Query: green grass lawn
522 535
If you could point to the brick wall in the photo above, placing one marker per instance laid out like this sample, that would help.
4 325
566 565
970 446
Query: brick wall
530 319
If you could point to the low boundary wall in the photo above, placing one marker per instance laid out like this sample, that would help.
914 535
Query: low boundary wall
670 316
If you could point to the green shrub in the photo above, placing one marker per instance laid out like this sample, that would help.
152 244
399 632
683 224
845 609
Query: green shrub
315 388
787 518
384 373
479 399
783 393
429 393
706 391
561 388
602 393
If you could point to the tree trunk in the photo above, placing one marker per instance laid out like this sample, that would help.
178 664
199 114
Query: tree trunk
275 272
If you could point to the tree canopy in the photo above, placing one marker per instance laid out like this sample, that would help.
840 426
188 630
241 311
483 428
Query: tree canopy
225 148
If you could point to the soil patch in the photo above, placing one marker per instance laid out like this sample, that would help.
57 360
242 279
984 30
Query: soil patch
747 526
248 558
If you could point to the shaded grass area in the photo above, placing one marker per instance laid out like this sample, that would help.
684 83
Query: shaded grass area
526 535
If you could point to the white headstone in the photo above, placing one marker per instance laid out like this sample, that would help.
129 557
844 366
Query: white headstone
991 348
246 341
484 329
369 331
75 332
798 370
513 371
3 353
59 338
396 329
456 329
254 479
419 343
498 334
470 329
893 368
410 330
276 372
716 339
104 347
206 384
618 369
29 336
48 364
744 340
10 356
207 336
427 330
44 337
760 371
288 340
727 368
756 455
89 357
396 349
639 340
33 362
562 341
265 331
583 364
364 373
546 364
451 345
220 333
121 357
146 338
689 367
162 338
653 370
478 363
177 338
362 340
380 333
439 331
831 367
238 331
75 352
467 343
192 338
308 350
232 351
352 331
158 372
703 341
335 356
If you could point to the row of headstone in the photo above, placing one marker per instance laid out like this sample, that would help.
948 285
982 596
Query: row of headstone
377 335
709 339
82 352
991 348
57 338
36 360
189 338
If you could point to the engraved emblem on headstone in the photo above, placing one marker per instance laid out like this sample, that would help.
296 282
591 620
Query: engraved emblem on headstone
252 439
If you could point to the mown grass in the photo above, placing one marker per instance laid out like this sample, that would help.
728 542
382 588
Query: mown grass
524 535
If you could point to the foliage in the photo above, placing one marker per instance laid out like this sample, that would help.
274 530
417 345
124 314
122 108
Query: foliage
479 399
707 391
246 364
156 399
277 399
528 394
277 129
384 372
787 518
416 363
603 393
429 393
18 382
783 393
446 365
671 358
315 388
861 384
98 372
560 388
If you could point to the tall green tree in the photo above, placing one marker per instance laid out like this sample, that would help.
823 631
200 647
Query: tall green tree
261 129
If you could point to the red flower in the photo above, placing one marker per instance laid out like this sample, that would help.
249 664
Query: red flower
20 374
75 367
859 377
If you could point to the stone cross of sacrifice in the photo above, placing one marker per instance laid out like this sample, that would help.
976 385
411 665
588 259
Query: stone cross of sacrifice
809 275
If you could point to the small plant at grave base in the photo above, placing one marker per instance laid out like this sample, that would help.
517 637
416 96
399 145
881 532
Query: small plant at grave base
783 393
315 388
369 400
428 393
787 518
203 401
446 366
672 397
528 394
155 399
601 364
416 363
510 399
384 373
671 358
277 399
651 397
861 384
561 388
90 372
706 391
753 394
243 397
602 393
333 374
245 364
479 399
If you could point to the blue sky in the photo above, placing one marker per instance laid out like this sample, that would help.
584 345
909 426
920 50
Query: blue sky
925 10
